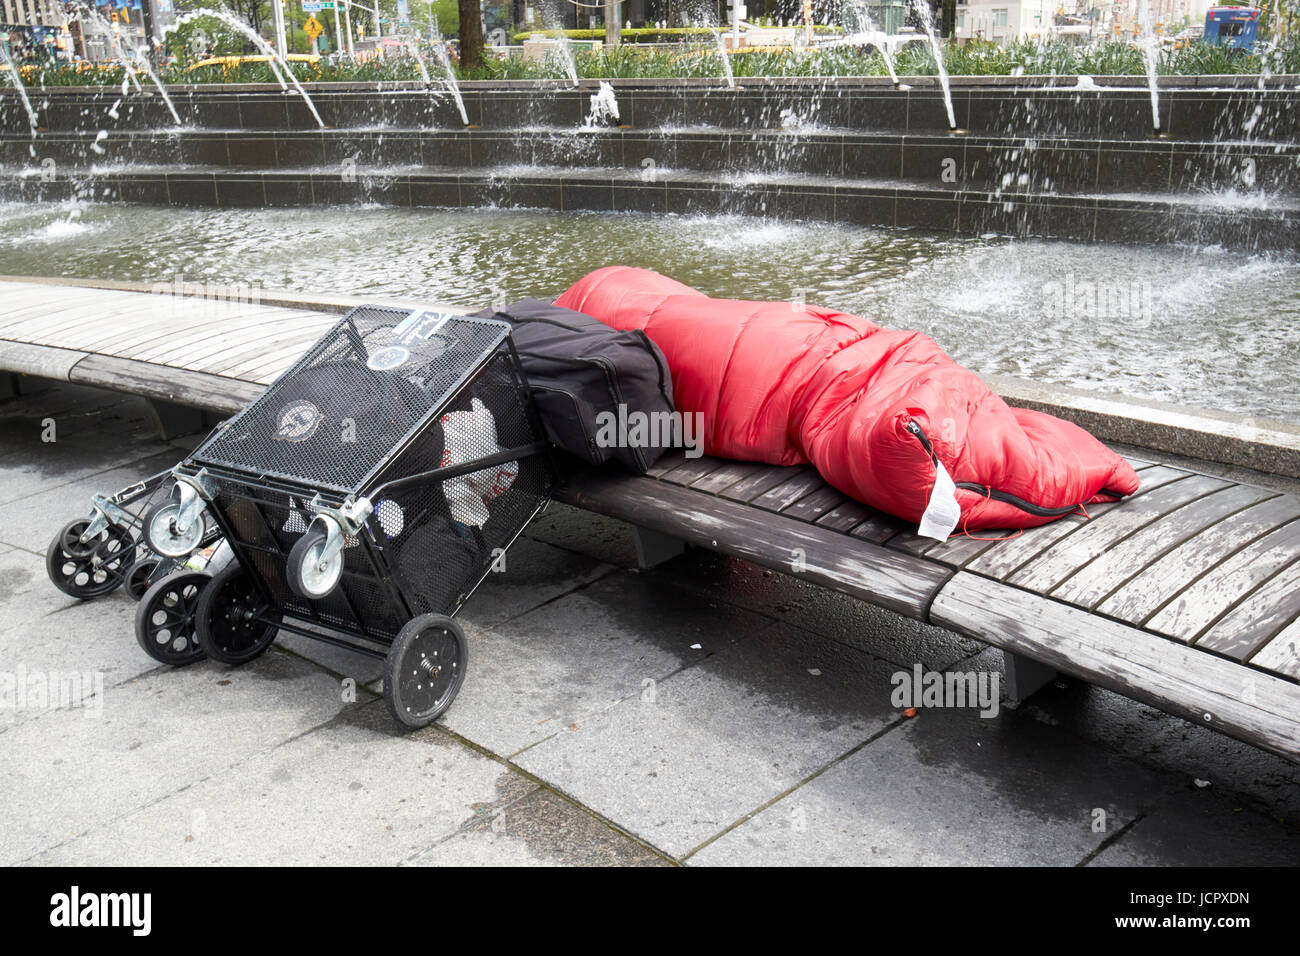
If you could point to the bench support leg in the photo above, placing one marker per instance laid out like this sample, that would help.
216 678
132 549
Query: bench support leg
173 420
8 385
1024 676
654 547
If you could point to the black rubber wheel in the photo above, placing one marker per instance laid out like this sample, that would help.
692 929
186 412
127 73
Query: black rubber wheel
309 578
165 619
137 581
91 569
228 618
161 535
425 668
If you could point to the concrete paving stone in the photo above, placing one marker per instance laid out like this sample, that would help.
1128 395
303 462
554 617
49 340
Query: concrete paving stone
950 788
543 829
877 631
535 572
32 521
92 435
678 764
605 539
88 644
357 791
70 771
1171 744
26 592
1186 751
1201 828
571 658
361 668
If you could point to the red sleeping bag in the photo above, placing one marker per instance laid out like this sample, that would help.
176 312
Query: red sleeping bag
885 416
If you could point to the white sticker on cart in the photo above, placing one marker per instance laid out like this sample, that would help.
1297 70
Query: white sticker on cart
420 325
298 421
387 359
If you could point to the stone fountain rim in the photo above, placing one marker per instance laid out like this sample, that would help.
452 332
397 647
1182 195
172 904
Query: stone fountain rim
1279 83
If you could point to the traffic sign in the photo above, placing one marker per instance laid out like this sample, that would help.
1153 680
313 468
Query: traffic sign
313 28
315 6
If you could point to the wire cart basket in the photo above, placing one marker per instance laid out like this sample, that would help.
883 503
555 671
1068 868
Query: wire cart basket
365 495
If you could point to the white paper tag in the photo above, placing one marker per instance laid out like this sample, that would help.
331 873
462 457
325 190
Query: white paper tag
943 512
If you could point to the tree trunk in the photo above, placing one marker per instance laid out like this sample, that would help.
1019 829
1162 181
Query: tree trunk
613 28
471 34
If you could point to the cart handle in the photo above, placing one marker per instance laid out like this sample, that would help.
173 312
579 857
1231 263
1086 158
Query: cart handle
466 468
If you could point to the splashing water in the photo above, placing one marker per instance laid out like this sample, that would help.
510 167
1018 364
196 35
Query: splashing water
86 10
726 60
272 58
860 17
18 84
604 107
561 49
414 49
1150 57
143 59
926 17
440 50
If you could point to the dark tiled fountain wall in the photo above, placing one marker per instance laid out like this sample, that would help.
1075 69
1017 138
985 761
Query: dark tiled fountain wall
1196 114
1060 162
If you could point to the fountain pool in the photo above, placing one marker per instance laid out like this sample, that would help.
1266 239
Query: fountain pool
1195 326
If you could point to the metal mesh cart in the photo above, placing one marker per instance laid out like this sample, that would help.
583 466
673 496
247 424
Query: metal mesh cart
365 495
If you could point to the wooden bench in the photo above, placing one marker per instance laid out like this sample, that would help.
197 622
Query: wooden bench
1185 596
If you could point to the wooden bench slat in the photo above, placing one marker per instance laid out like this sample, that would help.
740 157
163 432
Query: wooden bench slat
1196 607
670 460
788 492
816 503
848 514
879 528
692 469
726 476
1258 616
1009 556
1281 655
1142 596
962 548
751 486
1075 550
1127 558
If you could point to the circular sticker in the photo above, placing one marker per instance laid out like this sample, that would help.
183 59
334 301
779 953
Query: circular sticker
298 421
387 359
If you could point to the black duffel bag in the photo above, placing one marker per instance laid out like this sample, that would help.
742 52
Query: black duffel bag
591 382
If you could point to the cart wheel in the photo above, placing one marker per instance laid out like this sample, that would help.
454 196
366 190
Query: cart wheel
89 573
164 621
161 535
309 576
138 575
233 621
69 539
425 668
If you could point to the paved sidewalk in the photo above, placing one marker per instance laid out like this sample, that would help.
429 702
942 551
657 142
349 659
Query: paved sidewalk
707 712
